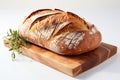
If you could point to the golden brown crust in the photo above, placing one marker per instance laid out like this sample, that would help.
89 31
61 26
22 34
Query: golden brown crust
61 32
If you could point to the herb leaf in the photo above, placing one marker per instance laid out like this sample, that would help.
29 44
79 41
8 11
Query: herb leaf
16 42
13 56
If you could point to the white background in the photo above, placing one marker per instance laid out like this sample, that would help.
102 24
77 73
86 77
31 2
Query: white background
105 14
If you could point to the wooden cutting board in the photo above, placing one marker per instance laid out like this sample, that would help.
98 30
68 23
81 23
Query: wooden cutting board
70 65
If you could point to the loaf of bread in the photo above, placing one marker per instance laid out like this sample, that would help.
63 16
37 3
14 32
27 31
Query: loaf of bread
62 32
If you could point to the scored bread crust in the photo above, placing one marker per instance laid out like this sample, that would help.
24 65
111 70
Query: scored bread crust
62 32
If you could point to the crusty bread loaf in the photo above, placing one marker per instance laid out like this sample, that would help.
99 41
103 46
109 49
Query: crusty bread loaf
61 32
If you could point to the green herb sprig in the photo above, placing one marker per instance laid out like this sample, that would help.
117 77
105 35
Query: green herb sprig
16 42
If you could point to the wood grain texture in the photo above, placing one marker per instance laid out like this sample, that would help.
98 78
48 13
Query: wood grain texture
70 65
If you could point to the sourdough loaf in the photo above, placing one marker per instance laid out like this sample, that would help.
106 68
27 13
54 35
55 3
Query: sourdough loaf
62 32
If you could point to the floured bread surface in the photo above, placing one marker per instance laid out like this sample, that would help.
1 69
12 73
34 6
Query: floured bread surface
61 32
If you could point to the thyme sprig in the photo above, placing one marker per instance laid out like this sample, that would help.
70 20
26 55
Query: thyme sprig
16 42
